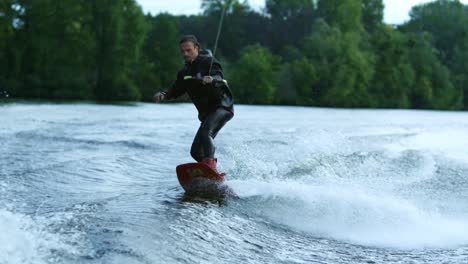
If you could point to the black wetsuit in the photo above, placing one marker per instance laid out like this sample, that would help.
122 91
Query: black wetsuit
213 101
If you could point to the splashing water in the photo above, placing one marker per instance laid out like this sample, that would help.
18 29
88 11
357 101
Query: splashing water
83 183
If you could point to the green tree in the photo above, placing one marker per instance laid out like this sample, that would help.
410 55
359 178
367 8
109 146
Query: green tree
238 24
32 20
344 70
8 64
67 51
447 21
372 14
161 56
344 14
290 21
297 80
50 49
134 30
253 76
324 52
432 87
114 51
394 74
304 77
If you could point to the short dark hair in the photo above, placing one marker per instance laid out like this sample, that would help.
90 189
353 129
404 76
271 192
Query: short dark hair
190 38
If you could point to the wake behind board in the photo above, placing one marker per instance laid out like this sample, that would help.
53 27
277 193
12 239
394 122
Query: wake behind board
199 179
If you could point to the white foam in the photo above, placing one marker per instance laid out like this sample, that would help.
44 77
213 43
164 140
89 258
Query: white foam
25 240
451 143
371 183
354 214
19 242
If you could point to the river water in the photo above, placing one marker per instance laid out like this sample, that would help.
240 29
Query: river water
87 183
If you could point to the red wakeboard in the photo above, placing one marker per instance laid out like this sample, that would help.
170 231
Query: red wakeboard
198 178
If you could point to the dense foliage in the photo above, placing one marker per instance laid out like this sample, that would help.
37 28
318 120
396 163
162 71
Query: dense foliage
336 53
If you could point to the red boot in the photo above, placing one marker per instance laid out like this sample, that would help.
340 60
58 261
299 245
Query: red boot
211 162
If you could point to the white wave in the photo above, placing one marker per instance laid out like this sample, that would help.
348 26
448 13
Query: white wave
25 240
450 143
353 214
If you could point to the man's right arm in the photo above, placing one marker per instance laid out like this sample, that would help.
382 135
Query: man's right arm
177 89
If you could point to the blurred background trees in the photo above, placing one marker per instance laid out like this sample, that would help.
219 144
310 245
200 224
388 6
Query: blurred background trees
334 53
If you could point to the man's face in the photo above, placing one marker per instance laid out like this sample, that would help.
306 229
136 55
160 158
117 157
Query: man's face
189 51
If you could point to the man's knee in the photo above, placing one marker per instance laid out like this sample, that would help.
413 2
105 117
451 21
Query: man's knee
205 133
196 153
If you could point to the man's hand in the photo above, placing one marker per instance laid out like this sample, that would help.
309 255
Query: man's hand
159 96
207 79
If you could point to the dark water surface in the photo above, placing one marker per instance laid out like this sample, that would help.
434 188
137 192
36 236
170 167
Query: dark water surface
84 183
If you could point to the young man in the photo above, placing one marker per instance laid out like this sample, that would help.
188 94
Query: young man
202 79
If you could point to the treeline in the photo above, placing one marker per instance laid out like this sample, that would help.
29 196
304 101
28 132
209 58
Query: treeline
335 53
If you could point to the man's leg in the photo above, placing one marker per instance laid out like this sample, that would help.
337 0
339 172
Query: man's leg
197 148
203 146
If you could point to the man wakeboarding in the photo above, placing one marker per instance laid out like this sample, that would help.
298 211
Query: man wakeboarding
202 79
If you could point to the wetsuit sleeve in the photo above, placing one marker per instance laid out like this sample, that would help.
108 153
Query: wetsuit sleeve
177 89
216 70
